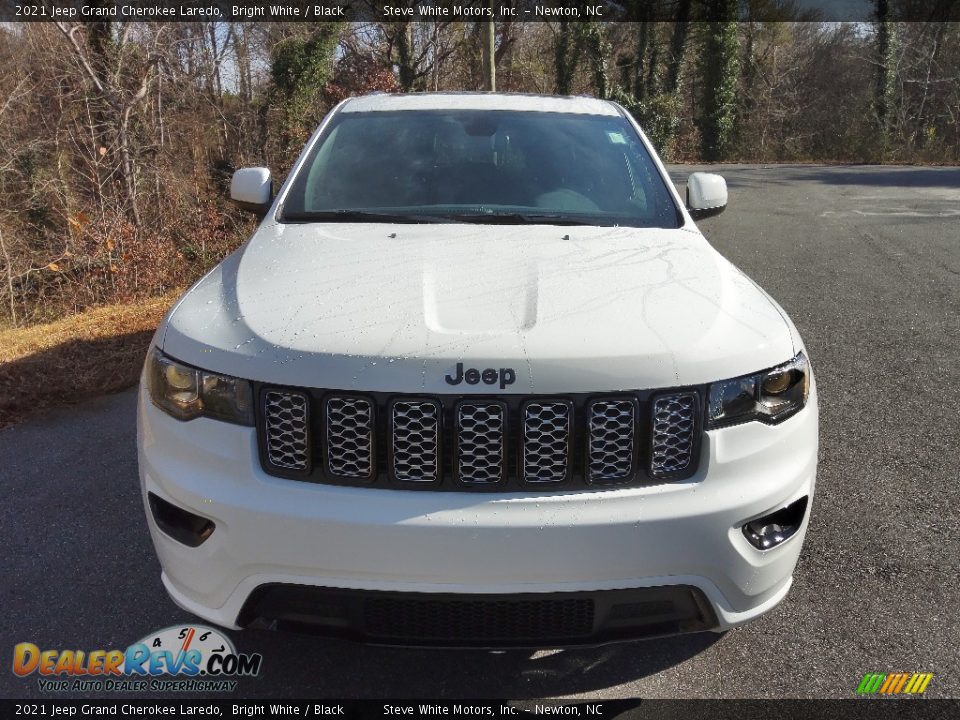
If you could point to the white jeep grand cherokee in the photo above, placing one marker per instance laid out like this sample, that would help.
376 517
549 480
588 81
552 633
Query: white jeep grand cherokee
477 380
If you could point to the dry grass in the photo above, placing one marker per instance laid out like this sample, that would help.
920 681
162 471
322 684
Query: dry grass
95 352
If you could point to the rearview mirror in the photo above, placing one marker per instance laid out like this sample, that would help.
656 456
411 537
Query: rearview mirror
706 195
251 189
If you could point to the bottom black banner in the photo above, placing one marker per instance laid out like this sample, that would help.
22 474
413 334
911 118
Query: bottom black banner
624 708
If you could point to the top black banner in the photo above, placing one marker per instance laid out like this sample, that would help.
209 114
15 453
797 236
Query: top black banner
473 10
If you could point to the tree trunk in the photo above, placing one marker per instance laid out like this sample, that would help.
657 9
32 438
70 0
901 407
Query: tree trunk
129 179
652 62
564 57
216 83
719 70
885 91
643 40
9 268
489 57
405 57
599 51
678 45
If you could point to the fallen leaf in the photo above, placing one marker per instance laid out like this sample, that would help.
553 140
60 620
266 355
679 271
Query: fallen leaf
54 267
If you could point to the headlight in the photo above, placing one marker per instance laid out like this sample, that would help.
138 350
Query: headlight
187 393
770 396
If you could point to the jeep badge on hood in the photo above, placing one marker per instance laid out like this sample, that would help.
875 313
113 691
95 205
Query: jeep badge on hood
507 376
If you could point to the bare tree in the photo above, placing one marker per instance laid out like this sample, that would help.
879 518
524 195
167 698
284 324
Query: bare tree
104 60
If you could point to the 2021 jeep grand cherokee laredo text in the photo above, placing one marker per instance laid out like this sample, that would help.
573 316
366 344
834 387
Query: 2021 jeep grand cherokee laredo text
477 379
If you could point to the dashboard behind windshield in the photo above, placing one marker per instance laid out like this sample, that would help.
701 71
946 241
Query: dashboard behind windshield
480 166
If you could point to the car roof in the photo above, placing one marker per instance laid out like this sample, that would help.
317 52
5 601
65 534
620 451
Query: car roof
381 102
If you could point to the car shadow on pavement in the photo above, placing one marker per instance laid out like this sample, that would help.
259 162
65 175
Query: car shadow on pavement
876 176
315 666
68 372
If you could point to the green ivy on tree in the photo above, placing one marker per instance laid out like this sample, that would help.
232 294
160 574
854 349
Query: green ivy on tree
300 68
719 72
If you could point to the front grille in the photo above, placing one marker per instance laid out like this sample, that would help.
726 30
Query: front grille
613 426
350 437
481 442
449 442
674 434
416 441
546 441
287 424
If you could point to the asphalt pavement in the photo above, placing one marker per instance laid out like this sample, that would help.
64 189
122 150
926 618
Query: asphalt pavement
866 260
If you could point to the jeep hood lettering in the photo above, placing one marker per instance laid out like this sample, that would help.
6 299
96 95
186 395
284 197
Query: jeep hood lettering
394 307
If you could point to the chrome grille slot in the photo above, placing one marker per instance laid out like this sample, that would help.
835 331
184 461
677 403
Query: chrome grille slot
349 428
611 444
546 441
287 428
415 428
673 438
481 442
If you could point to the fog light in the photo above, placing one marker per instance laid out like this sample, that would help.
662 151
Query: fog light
183 526
771 530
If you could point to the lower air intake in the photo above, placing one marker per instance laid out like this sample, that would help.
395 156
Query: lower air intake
528 620
478 620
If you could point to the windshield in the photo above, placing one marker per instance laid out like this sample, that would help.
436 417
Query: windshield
480 166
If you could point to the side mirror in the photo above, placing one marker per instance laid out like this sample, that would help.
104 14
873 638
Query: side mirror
251 189
706 195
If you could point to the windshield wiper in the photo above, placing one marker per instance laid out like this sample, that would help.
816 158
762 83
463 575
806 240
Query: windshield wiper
366 216
481 218
524 219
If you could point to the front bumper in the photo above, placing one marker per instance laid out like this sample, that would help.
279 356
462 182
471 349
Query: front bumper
271 531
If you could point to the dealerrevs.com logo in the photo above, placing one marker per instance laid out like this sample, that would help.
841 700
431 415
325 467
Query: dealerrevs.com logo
181 658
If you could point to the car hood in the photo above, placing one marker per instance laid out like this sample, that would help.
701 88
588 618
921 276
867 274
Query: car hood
395 307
